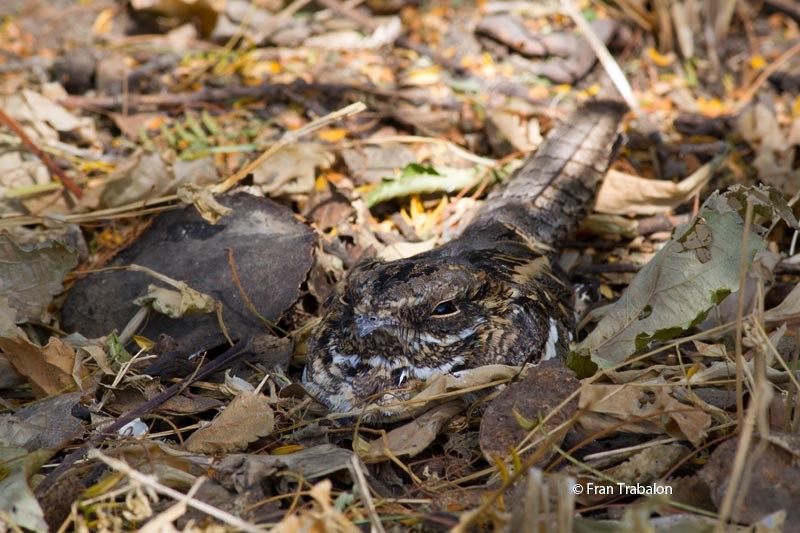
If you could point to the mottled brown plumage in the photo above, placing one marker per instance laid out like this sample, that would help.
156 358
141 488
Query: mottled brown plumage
491 296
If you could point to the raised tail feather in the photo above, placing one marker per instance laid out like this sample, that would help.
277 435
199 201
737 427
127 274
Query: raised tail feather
551 193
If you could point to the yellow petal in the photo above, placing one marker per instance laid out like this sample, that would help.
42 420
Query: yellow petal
662 60
758 62
332 135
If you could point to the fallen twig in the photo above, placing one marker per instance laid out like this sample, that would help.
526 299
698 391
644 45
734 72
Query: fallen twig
611 67
152 482
57 171
288 138
136 101
239 349
750 92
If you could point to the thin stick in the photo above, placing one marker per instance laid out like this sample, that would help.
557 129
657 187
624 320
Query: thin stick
748 219
366 497
150 481
795 410
745 437
55 170
764 76
604 56
287 138
230 355
135 101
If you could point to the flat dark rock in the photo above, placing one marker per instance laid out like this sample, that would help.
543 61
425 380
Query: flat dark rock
771 485
544 388
271 248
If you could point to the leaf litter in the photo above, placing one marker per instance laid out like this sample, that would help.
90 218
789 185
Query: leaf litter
696 387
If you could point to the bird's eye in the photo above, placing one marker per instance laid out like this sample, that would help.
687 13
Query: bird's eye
445 308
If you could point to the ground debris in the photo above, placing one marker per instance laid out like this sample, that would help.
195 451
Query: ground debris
179 176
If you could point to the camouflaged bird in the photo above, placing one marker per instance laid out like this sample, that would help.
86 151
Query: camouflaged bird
491 296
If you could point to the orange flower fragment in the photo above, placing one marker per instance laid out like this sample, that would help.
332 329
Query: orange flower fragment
662 60
758 62
332 135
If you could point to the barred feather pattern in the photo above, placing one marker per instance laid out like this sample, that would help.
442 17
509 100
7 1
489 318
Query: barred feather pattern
491 296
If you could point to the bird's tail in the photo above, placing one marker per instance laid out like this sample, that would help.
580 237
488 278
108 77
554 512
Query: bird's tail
551 193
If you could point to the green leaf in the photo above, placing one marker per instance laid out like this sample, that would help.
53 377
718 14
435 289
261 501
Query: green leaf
690 275
465 85
419 179
581 365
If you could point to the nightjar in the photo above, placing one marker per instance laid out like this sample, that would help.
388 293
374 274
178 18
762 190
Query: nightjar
494 295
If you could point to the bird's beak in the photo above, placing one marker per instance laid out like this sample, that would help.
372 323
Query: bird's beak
366 324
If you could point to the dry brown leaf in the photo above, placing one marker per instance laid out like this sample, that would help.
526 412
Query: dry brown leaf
610 226
623 193
524 135
44 117
47 424
292 170
722 370
133 126
324 516
659 411
370 164
205 203
312 463
181 404
682 422
401 250
205 12
50 369
775 157
439 384
96 351
147 175
413 437
143 175
18 173
788 310
247 418
384 34
20 509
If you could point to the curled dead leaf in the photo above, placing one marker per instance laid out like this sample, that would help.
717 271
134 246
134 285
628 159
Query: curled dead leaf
412 438
50 369
175 304
247 418
203 199
622 193
649 409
